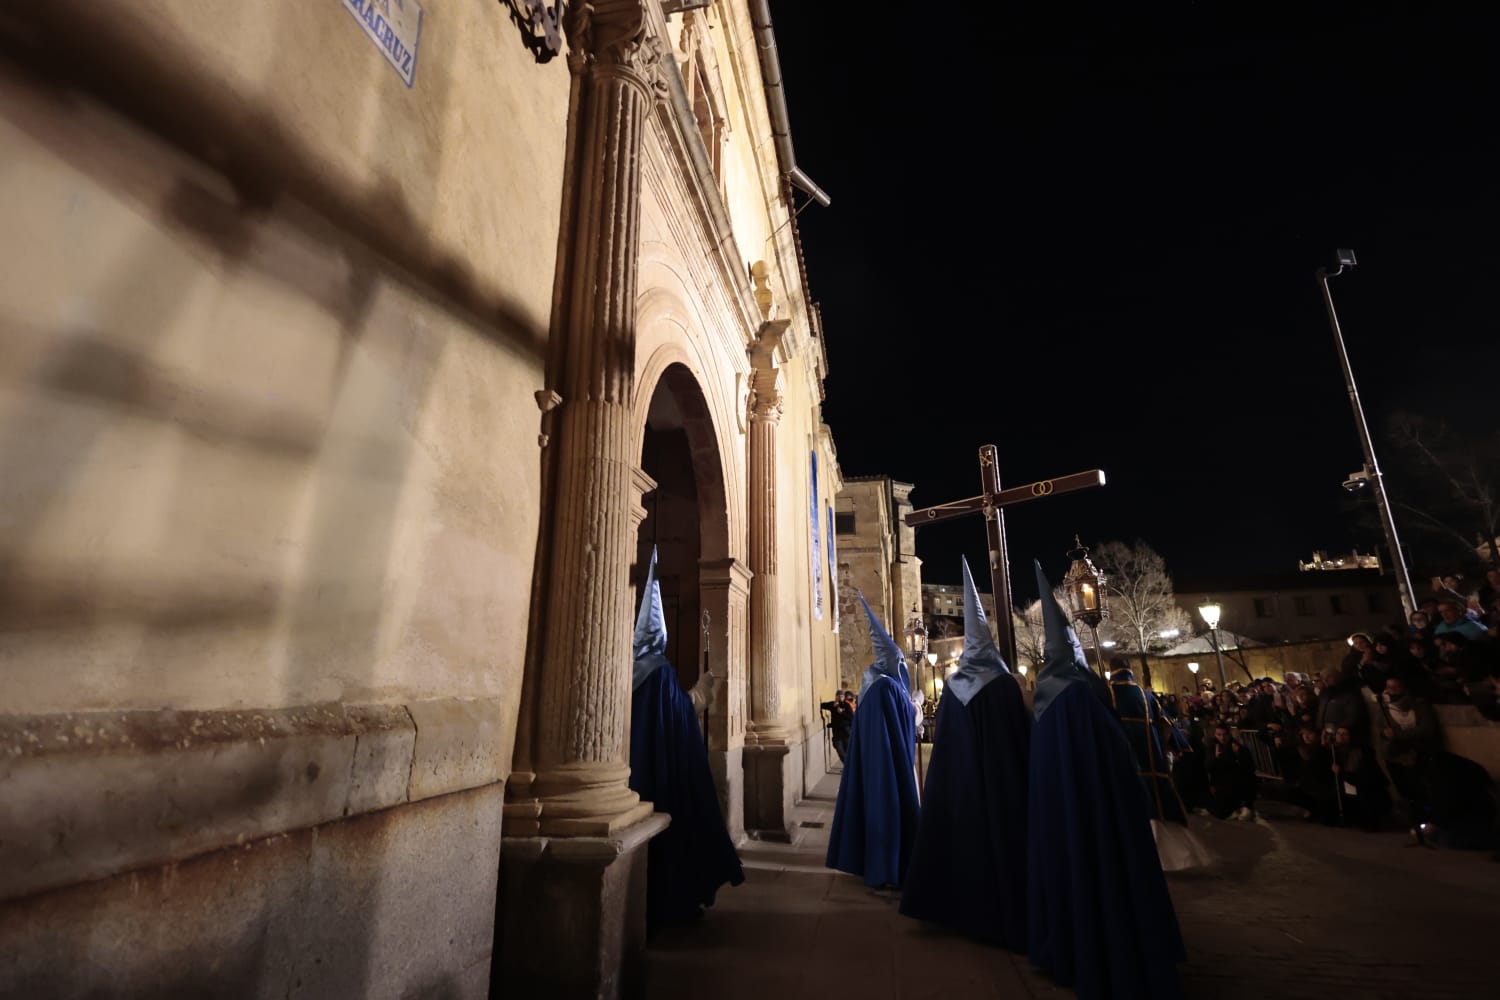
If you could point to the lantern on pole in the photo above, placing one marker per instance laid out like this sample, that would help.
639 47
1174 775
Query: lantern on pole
1084 585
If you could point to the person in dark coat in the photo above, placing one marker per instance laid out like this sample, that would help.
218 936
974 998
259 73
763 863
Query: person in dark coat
1099 918
875 817
1176 846
689 860
1231 777
968 868
840 719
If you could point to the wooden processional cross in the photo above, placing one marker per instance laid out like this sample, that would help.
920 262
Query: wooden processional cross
992 503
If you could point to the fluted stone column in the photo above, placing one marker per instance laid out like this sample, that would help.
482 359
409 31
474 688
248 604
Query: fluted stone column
573 864
769 792
581 760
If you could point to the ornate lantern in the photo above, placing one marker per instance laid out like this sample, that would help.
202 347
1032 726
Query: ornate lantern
1085 588
1084 585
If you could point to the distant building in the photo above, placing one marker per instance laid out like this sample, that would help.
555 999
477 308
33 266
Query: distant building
946 600
1297 607
876 557
1353 560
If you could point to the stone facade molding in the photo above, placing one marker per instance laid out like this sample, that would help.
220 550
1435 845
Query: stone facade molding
94 794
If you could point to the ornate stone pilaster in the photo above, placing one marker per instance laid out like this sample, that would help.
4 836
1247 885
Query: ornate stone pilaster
766 725
772 753
725 588
580 756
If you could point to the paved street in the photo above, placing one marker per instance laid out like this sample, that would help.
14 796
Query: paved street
1290 911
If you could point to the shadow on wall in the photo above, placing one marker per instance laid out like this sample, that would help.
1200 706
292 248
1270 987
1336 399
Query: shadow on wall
104 372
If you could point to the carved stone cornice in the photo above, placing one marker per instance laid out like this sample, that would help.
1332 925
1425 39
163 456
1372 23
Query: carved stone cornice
762 350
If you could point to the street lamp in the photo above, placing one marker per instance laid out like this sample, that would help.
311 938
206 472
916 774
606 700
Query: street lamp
1193 669
916 637
1084 586
1372 468
1210 612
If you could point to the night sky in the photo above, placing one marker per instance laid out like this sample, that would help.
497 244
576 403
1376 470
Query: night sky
1090 239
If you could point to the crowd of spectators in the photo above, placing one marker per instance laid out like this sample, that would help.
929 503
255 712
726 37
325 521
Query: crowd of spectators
1359 744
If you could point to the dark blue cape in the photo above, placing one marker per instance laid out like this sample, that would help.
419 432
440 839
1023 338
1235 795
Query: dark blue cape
1100 919
968 869
875 818
691 858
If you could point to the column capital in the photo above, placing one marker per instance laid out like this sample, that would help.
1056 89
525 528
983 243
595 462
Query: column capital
730 574
766 402
613 36
640 485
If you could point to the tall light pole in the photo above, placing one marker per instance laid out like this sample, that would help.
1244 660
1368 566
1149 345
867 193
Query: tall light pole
1210 612
1372 468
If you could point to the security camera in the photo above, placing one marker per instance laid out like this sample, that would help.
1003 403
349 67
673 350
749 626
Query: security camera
1357 481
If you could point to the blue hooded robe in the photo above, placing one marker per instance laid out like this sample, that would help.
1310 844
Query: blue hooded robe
875 818
1100 919
693 856
968 868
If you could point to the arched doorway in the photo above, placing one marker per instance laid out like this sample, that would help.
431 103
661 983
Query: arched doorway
687 519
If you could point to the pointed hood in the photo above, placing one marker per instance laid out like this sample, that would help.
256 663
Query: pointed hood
888 659
1063 662
650 628
981 661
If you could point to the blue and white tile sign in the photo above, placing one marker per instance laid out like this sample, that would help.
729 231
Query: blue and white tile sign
395 26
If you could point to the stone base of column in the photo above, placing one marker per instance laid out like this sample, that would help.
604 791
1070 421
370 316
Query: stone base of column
727 767
571 915
773 783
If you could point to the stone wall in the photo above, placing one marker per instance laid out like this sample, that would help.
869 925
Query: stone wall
1171 673
271 322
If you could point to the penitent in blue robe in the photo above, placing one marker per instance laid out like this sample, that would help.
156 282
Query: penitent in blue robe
875 818
689 860
968 869
1100 918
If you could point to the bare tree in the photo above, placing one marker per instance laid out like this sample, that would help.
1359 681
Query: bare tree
1030 638
1031 634
1143 609
1452 483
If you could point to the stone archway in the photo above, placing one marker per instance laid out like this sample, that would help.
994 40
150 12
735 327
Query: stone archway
687 519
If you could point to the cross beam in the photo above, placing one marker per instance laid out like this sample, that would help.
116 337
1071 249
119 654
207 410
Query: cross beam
992 503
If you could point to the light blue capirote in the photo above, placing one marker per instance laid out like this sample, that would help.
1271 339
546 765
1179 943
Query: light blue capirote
980 662
888 659
1063 662
650 629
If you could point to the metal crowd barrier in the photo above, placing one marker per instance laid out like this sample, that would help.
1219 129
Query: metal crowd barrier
1261 752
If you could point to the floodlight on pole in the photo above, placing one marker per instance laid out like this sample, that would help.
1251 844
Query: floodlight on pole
1371 470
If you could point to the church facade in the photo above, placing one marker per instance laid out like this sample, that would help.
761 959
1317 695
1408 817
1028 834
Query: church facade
353 355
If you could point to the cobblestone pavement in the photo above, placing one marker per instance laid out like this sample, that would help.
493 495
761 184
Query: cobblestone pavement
1290 911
